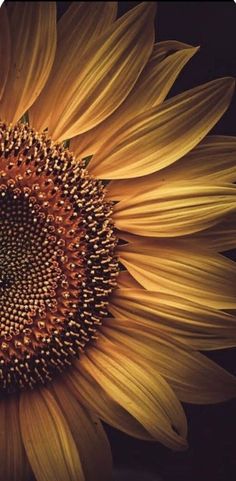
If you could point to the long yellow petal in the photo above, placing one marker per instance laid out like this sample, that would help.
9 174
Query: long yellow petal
176 268
175 209
125 280
88 433
33 45
77 29
14 465
47 438
176 316
164 134
150 89
221 237
213 160
106 74
91 395
145 395
193 377
5 49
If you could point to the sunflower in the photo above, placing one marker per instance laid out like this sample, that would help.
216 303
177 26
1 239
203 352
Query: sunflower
115 207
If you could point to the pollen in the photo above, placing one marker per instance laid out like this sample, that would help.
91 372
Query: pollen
57 260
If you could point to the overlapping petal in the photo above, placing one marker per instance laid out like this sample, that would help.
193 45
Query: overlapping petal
193 377
213 160
150 89
88 434
5 48
195 324
86 389
175 209
145 395
33 45
176 268
160 136
101 79
14 465
48 441
77 29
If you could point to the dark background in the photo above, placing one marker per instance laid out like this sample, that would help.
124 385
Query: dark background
212 428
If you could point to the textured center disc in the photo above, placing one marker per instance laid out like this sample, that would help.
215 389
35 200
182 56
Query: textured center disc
57 264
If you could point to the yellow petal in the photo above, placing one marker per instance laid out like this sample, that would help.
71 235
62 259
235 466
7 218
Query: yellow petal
150 89
164 134
176 316
33 44
106 74
5 49
91 394
178 269
175 209
213 160
14 465
221 237
167 47
145 395
125 280
47 438
193 377
88 434
76 32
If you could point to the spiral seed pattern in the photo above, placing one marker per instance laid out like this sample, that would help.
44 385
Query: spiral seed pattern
57 261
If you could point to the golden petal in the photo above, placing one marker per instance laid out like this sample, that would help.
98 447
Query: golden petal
33 45
178 317
88 434
160 136
5 48
145 395
176 209
176 268
213 160
14 465
77 29
125 280
150 89
92 396
101 79
221 237
48 441
192 376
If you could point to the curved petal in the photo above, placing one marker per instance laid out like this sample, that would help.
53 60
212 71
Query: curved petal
150 89
47 438
167 47
5 48
185 320
33 41
125 280
76 32
88 434
145 395
14 465
108 71
179 269
164 134
90 394
192 376
175 210
221 237
213 160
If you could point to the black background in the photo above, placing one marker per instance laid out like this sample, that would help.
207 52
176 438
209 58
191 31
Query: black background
212 429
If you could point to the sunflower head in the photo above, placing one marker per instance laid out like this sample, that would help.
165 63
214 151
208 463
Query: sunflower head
115 208
57 257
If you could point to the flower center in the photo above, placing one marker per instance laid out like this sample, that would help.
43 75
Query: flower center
57 264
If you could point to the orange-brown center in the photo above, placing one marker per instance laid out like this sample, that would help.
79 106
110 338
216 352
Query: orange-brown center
57 264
